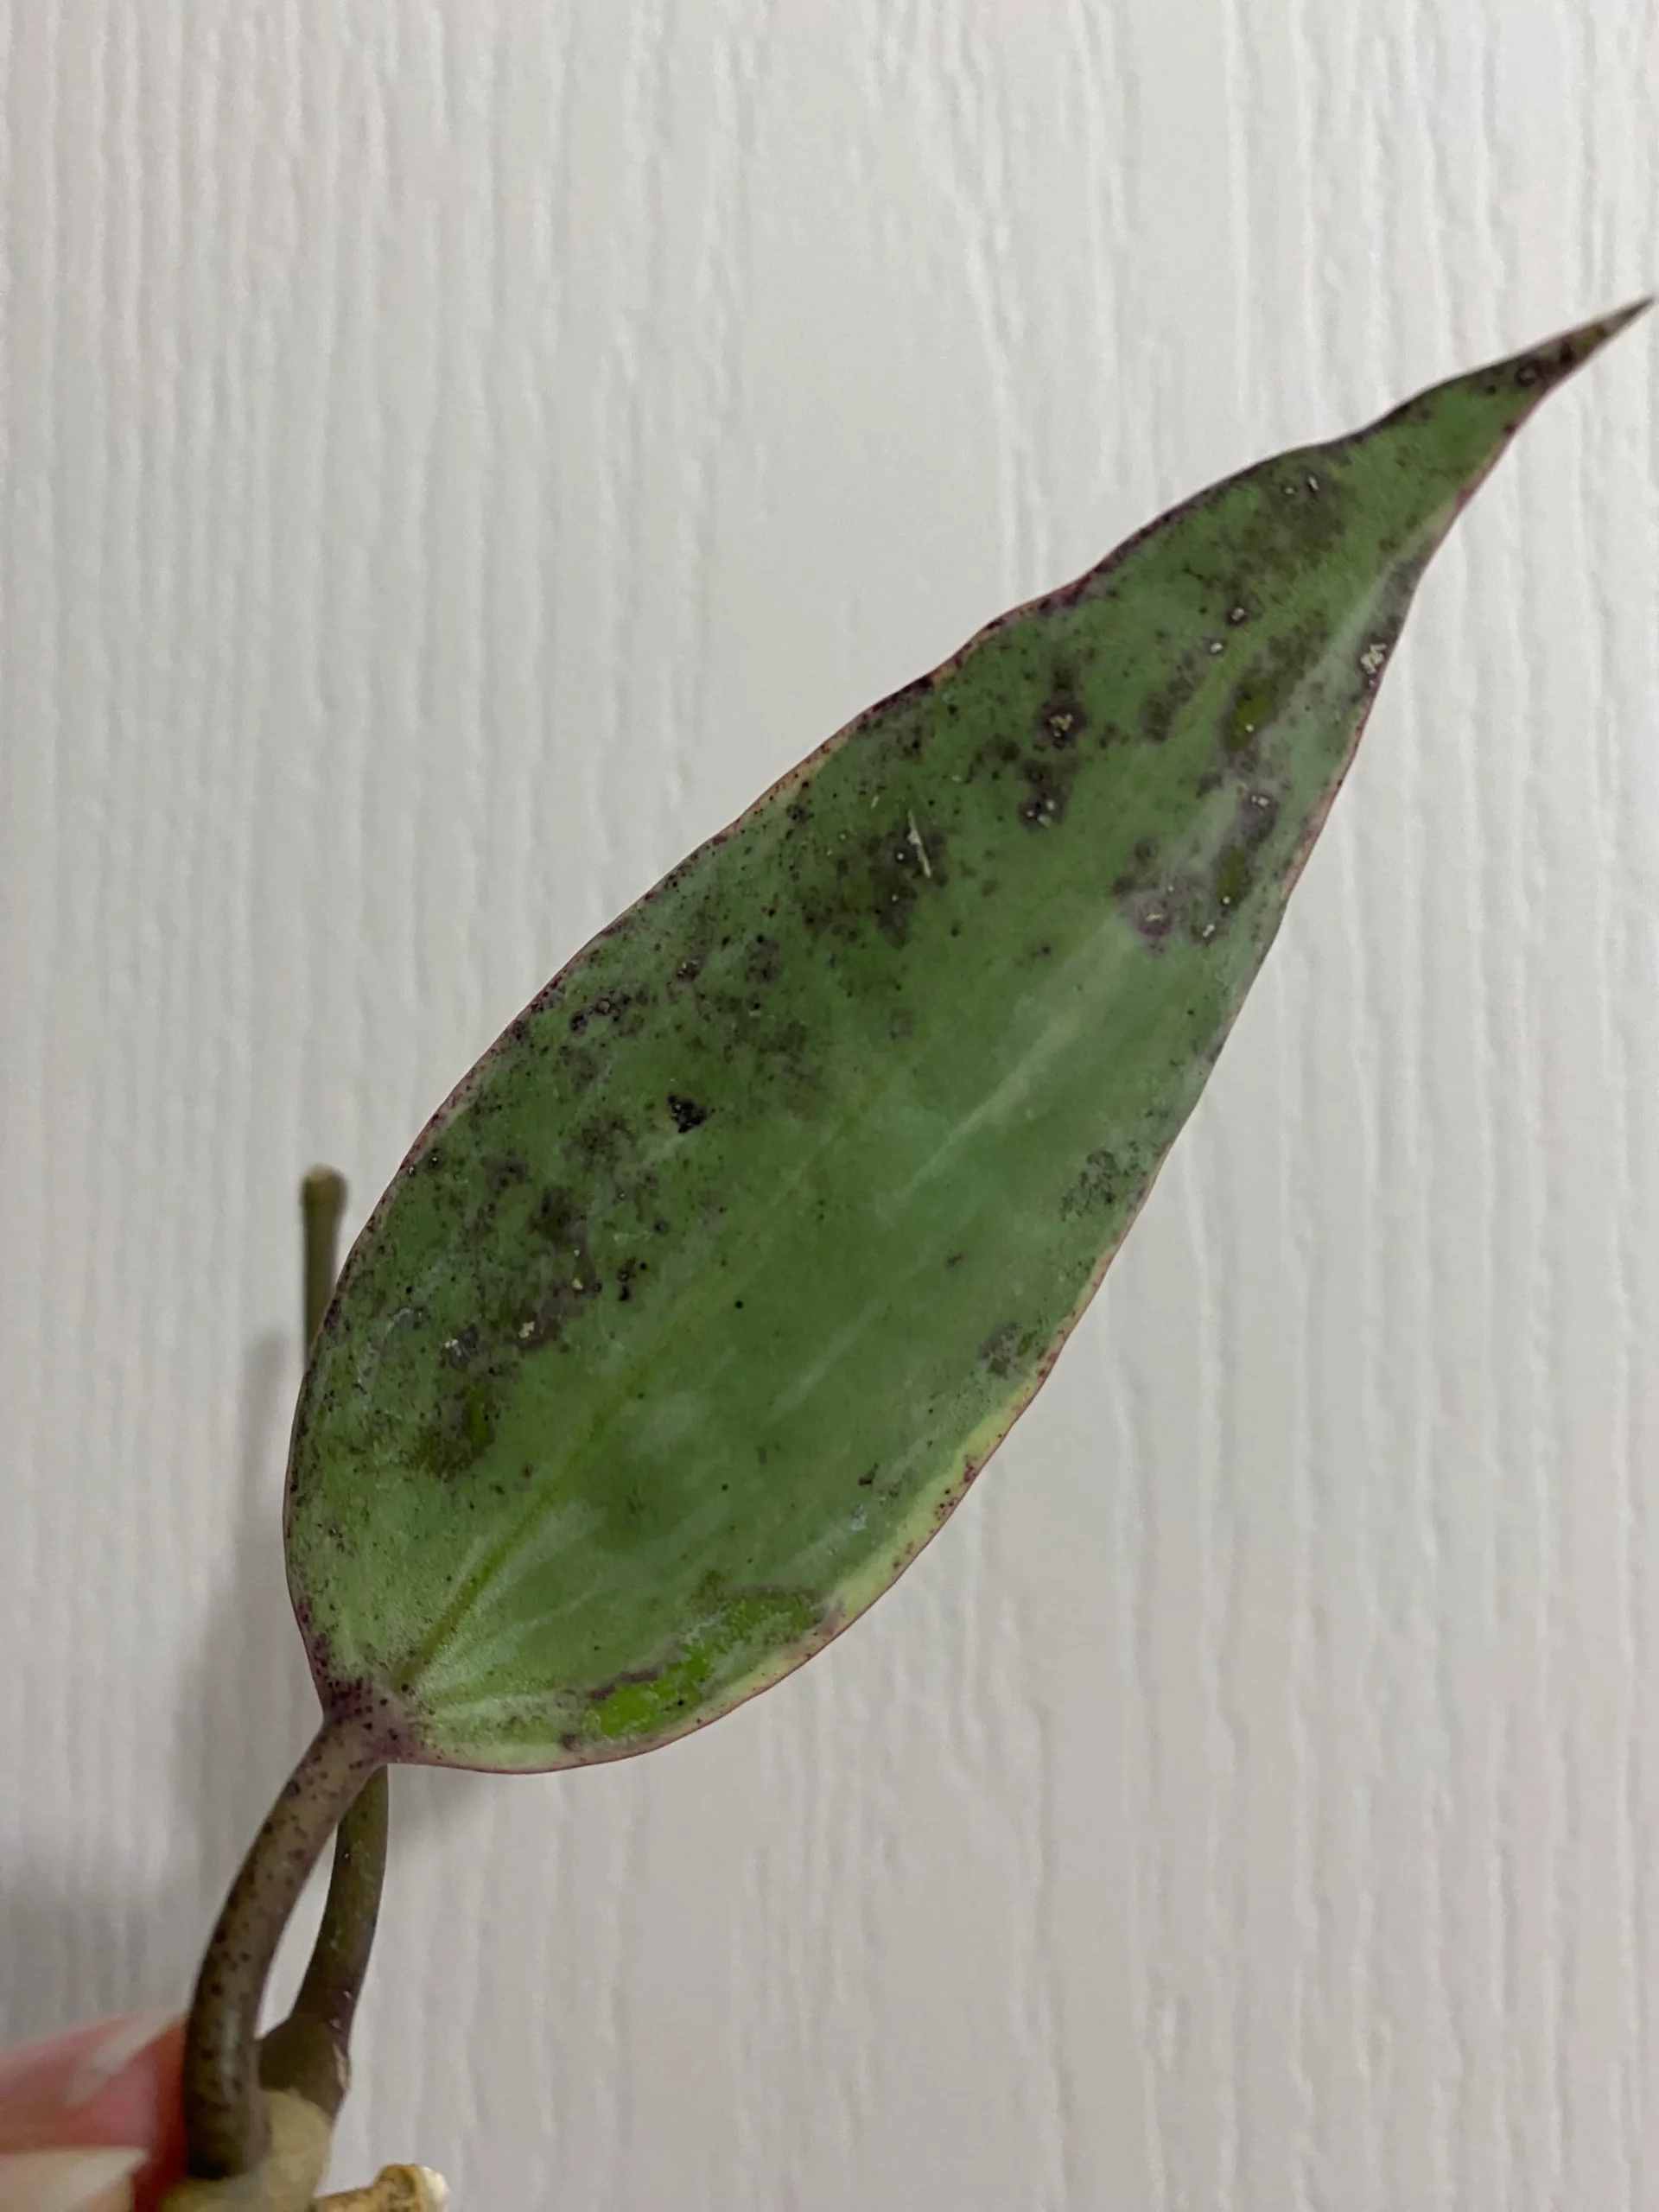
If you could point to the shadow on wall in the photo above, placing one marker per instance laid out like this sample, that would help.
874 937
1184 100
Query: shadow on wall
76 1943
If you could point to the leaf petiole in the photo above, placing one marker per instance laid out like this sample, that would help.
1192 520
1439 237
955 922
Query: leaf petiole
341 1780
223 2121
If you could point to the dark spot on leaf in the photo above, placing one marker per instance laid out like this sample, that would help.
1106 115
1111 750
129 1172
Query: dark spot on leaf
996 754
1157 716
880 878
1235 872
1048 788
1266 687
1004 1349
688 1114
1152 912
1062 721
602 1009
545 1323
542 1300
598 1143
458 1434
558 1217
1096 1186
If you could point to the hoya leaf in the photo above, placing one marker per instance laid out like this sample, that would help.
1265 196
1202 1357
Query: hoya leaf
700 1303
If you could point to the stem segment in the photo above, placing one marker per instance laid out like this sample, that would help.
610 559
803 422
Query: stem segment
341 1780
307 2052
323 1200
224 2122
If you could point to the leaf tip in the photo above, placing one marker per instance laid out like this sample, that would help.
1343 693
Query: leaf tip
1549 363
1623 317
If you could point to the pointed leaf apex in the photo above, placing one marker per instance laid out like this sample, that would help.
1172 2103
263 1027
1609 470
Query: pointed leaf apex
1612 324
1518 383
1456 430
1557 357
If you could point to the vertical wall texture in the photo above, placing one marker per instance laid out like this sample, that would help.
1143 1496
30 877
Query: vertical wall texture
453 456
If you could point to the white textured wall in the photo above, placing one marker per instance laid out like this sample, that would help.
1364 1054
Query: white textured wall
455 452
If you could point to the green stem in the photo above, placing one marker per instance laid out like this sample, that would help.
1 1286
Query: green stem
308 2051
334 1980
323 1200
225 2124
342 1779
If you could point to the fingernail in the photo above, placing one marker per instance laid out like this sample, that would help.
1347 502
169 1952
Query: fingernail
69 2180
113 2053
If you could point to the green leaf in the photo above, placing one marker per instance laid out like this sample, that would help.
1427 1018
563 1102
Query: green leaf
696 1309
